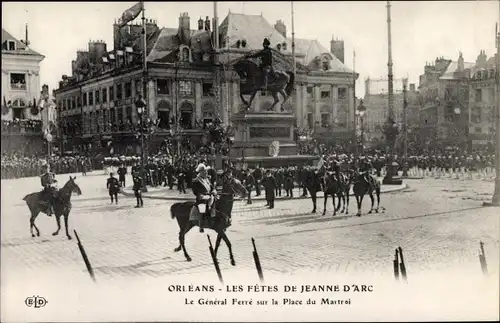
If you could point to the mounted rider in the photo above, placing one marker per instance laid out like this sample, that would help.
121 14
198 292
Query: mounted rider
266 64
365 168
48 181
205 194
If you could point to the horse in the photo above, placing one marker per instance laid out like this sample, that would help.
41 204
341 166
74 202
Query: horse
361 187
62 206
313 183
253 81
336 187
219 223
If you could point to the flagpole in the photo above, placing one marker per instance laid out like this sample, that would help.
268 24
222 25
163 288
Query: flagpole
145 114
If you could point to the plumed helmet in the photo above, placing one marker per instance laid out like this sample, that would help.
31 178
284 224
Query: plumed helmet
266 42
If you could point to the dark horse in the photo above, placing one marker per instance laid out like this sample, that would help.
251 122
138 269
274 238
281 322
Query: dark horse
253 81
339 187
362 187
219 223
62 205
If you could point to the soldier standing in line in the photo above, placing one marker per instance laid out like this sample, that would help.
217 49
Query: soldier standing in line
113 186
138 189
181 179
269 184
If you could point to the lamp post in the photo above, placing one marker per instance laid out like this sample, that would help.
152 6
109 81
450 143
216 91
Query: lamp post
405 129
360 112
140 105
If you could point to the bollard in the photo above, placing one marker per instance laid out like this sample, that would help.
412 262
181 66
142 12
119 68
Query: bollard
214 259
84 256
482 258
402 265
395 264
257 262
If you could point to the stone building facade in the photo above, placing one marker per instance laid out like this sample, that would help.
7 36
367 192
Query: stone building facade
97 100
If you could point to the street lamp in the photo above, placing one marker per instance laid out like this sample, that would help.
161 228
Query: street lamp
360 112
140 105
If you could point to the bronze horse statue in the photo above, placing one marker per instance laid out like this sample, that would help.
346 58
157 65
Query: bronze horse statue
252 81
219 223
62 205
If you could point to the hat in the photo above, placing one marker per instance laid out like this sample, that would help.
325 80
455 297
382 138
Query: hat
202 167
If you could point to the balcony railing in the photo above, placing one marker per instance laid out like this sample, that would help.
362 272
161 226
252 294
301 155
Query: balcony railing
22 127
18 86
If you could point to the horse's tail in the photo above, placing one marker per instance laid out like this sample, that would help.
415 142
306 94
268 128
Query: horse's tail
291 83
172 210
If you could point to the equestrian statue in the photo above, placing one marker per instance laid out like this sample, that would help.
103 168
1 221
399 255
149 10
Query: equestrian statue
263 77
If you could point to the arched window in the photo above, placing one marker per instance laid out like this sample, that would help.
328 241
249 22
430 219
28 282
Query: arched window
207 113
164 110
186 115
325 63
326 116
185 54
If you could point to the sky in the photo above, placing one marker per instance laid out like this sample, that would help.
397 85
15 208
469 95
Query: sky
421 30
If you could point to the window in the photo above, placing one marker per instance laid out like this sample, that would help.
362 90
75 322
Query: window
128 89
325 94
185 88
164 117
185 54
208 117
111 93
491 94
478 130
310 92
325 120
138 87
119 91
476 115
162 86
18 81
310 120
97 96
208 89
342 93
104 95
91 98
479 97
73 102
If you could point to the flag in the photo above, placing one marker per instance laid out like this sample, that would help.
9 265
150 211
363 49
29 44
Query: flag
131 13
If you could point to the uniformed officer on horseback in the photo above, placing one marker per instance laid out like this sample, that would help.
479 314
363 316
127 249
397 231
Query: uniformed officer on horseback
205 193
266 64
365 168
48 179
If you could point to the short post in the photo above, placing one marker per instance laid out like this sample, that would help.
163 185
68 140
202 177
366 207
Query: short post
257 262
402 265
84 256
395 264
214 259
482 258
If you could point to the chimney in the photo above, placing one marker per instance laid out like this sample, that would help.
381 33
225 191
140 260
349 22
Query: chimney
207 24
337 49
460 67
200 24
280 27
184 28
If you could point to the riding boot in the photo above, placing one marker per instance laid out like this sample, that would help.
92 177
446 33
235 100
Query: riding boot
200 222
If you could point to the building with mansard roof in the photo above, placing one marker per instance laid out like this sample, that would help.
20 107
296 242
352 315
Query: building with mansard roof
97 99
482 102
21 117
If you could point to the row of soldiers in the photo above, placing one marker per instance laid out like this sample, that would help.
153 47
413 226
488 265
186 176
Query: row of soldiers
17 167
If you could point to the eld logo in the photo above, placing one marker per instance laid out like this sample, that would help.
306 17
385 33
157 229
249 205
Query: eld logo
35 301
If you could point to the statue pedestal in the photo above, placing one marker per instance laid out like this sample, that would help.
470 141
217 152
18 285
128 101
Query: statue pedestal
254 133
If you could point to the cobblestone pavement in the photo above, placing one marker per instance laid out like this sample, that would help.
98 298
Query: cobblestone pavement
438 223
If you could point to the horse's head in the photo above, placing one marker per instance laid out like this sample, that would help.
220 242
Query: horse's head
72 186
246 69
234 186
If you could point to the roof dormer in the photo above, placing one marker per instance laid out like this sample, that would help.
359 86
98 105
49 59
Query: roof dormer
9 45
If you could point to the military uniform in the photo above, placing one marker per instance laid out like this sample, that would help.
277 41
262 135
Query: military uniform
202 187
47 180
122 172
113 186
270 185
138 189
